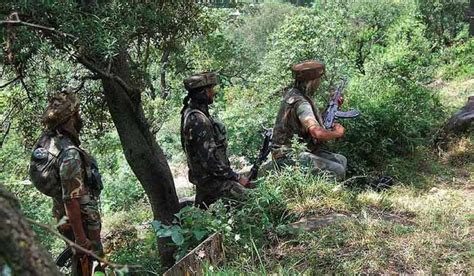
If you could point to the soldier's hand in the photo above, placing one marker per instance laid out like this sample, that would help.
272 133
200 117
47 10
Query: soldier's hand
244 181
64 228
338 130
340 101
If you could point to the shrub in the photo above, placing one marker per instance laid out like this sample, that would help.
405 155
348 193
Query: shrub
398 112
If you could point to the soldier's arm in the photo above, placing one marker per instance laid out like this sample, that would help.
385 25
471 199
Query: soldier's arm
72 183
200 133
307 118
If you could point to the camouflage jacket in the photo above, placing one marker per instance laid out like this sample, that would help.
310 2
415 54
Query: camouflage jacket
60 169
297 113
205 143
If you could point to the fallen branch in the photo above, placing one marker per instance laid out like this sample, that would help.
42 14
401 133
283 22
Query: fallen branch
80 248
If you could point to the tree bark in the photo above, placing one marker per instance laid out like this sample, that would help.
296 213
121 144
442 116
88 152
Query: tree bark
471 18
164 65
141 150
20 251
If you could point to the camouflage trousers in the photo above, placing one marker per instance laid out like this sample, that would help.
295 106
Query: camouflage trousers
90 219
214 189
318 162
89 212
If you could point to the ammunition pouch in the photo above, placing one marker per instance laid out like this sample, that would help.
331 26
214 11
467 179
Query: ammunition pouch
94 178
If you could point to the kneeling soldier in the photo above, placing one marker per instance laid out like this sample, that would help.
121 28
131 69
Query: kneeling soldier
299 116
204 140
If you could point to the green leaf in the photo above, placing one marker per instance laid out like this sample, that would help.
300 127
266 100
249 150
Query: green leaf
121 271
177 238
199 234
156 224
166 233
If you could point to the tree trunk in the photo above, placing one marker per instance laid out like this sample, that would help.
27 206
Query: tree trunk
141 150
471 18
20 251
164 65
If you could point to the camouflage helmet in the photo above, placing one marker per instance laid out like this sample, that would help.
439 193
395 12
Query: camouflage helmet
200 80
308 70
61 107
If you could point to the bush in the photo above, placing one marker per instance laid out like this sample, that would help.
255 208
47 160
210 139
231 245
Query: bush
398 112
457 62
242 225
397 116
444 19
259 223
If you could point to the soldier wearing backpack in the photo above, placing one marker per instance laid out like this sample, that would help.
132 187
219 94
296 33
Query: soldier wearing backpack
62 170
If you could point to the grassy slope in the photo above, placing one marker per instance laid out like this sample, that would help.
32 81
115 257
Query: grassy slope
422 228
423 224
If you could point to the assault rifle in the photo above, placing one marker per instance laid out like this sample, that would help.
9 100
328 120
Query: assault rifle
332 112
264 151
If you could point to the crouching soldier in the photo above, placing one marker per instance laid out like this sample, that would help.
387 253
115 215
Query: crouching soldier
204 140
62 170
299 116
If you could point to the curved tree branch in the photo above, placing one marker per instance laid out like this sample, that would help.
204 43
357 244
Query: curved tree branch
104 74
14 20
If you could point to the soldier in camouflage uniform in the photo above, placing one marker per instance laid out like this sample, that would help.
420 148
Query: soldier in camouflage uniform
298 116
204 140
62 170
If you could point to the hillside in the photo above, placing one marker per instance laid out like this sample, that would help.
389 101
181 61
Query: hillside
410 66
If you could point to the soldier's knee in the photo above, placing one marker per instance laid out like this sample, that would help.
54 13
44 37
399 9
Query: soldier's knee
339 171
309 160
342 160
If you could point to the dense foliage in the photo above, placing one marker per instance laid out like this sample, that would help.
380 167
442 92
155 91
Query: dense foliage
392 51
